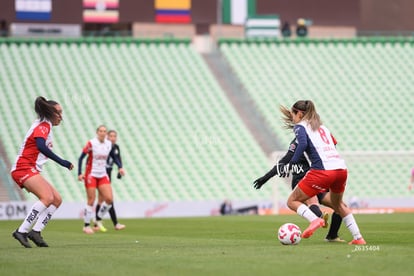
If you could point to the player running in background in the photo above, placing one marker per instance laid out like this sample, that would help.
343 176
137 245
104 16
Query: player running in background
98 149
303 167
34 152
328 170
115 151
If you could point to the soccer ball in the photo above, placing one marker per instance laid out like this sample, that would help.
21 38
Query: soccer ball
289 234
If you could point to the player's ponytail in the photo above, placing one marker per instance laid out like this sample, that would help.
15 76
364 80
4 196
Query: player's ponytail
286 117
45 109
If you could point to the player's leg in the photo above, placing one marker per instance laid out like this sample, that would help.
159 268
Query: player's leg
44 218
296 203
105 189
97 207
336 195
90 186
336 220
312 203
37 185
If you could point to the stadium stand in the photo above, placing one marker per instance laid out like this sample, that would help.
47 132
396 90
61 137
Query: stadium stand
180 138
362 88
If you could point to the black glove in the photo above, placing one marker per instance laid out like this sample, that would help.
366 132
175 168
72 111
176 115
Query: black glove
119 176
258 183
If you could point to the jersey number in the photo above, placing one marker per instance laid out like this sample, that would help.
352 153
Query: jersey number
323 136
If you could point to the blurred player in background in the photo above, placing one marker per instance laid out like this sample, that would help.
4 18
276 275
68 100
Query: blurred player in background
298 173
328 170
411 185
98 149
115 151
34 152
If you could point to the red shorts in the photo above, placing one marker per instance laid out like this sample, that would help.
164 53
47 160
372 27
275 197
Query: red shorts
319 181
21 175
95 182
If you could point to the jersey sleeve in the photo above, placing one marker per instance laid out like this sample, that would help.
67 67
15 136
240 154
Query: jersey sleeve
302 143
87 148
41 131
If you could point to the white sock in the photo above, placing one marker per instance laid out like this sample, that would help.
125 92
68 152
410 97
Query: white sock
44 218
88 214
103 210
32 216
352 226
306 213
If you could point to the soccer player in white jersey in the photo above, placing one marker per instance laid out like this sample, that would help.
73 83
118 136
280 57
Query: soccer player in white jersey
98 149
328 170
34 152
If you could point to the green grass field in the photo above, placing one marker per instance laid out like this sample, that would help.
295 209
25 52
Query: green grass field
237 245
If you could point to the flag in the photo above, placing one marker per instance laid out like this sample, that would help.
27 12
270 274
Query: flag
237 11
100 11
172 11
33 9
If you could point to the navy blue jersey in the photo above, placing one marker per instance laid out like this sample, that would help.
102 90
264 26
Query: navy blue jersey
115 153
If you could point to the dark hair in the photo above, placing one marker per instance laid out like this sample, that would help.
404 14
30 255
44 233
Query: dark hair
45 109
112 131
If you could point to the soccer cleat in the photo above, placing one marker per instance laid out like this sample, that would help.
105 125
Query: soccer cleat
337 239
88 230
100 226
359 241
325 219
317 223
35 237
22 238
119 226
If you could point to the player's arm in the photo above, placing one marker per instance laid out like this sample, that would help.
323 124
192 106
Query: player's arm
117 161
411 186
277 169
42 147
80 175
302 141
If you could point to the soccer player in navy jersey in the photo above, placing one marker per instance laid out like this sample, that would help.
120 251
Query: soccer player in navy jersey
328 170
298 173
116 152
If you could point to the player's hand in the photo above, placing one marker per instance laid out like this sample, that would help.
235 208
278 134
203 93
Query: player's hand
81 177
258 183
121 171
67 165
410 187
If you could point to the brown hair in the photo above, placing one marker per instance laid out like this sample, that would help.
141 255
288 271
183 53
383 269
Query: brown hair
45 109
286 117
310 115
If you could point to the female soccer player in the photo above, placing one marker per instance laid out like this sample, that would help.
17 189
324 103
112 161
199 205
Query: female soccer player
98 149
112 136
298 173
328 169
33 153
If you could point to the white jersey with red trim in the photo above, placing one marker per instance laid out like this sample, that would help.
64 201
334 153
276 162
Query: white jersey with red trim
29 156
319 147
97 152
